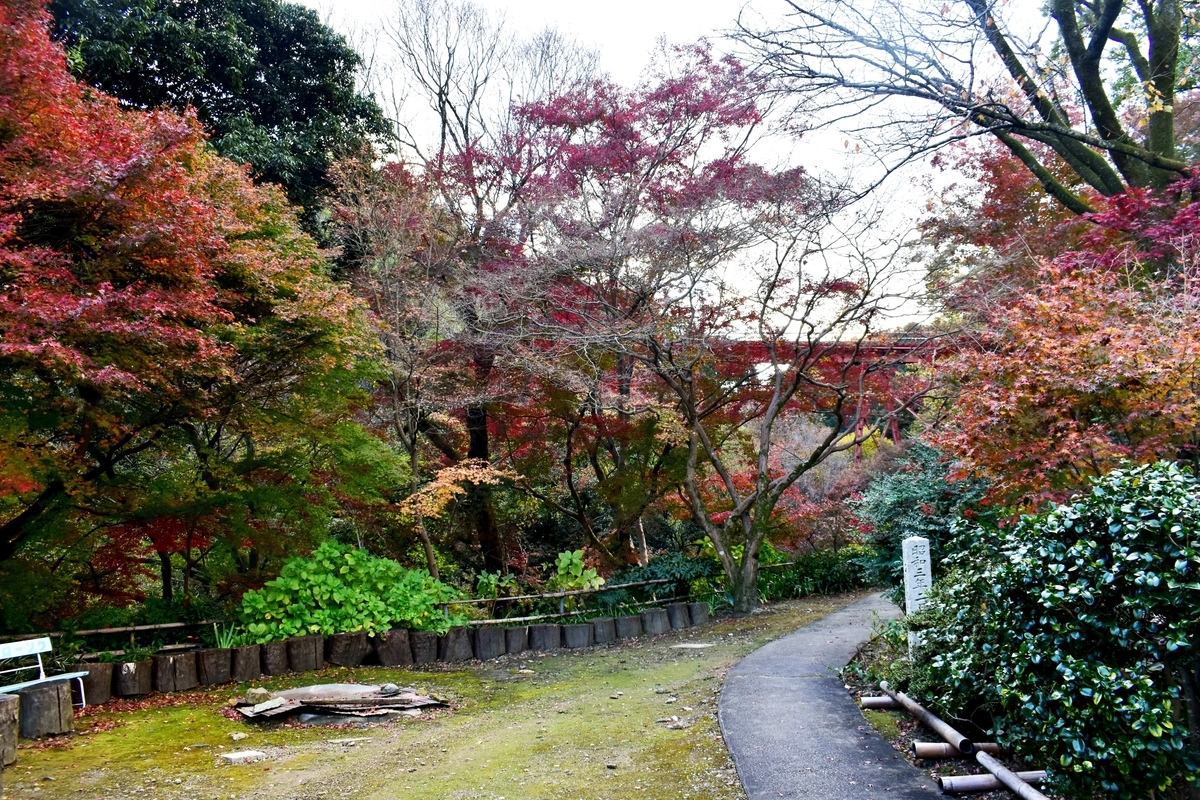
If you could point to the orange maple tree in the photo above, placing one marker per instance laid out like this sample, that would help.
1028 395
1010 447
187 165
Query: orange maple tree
1096 363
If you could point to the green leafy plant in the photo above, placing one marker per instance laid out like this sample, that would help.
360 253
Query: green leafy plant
689 574
1077 632
671 566
65 655
340 590
492 584
883 657
130 653
918 499
571 574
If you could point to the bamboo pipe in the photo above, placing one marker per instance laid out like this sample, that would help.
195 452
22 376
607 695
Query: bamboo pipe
935 750
962 743
966 784
1011 780
879 703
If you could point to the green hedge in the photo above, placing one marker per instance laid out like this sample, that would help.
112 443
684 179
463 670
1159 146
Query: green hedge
1077 632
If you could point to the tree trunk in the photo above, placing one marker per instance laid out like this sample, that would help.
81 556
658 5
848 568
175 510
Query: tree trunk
744 586
13 532
643 547
430 554
479 498
414 487
164 561
187 562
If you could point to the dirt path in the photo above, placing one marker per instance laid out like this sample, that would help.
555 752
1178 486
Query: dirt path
624 721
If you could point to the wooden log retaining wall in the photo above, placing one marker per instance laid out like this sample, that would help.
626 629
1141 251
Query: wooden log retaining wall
396 648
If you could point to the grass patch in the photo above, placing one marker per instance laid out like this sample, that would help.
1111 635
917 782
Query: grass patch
582 724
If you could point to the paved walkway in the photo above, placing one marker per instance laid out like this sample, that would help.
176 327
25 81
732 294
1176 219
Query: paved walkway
795 732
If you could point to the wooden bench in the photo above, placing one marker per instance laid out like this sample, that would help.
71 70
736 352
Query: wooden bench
35 647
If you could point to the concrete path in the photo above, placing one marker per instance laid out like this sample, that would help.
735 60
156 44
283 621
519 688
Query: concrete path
795 732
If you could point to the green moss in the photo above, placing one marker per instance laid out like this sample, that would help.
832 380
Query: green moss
886 722
551 733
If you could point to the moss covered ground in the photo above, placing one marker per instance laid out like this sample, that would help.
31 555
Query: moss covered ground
630 720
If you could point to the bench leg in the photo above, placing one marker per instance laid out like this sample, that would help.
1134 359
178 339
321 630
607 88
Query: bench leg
82 696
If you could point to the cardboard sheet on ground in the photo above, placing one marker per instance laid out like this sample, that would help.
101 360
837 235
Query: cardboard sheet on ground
355 699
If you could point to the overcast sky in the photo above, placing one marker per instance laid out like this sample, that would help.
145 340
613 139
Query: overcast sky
623 31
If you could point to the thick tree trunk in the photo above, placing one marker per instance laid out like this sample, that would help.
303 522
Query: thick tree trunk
743 583
479 499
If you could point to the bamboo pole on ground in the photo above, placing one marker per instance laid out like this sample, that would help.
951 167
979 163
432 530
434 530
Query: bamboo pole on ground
1011 780
1006 777
936 750
967 784
962 743
884 703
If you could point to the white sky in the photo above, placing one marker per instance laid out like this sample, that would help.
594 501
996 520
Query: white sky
625 34
623 31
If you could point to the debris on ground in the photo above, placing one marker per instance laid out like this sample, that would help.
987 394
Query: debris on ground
352 699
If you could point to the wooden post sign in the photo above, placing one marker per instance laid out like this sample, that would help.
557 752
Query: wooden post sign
918 577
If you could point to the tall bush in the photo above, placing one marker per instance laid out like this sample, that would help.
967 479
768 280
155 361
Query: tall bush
1077 631
918 499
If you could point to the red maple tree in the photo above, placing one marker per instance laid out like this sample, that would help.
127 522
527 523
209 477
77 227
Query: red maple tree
157 310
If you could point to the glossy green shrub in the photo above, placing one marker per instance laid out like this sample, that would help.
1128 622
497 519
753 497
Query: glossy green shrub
341 590
691 576
1077 631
